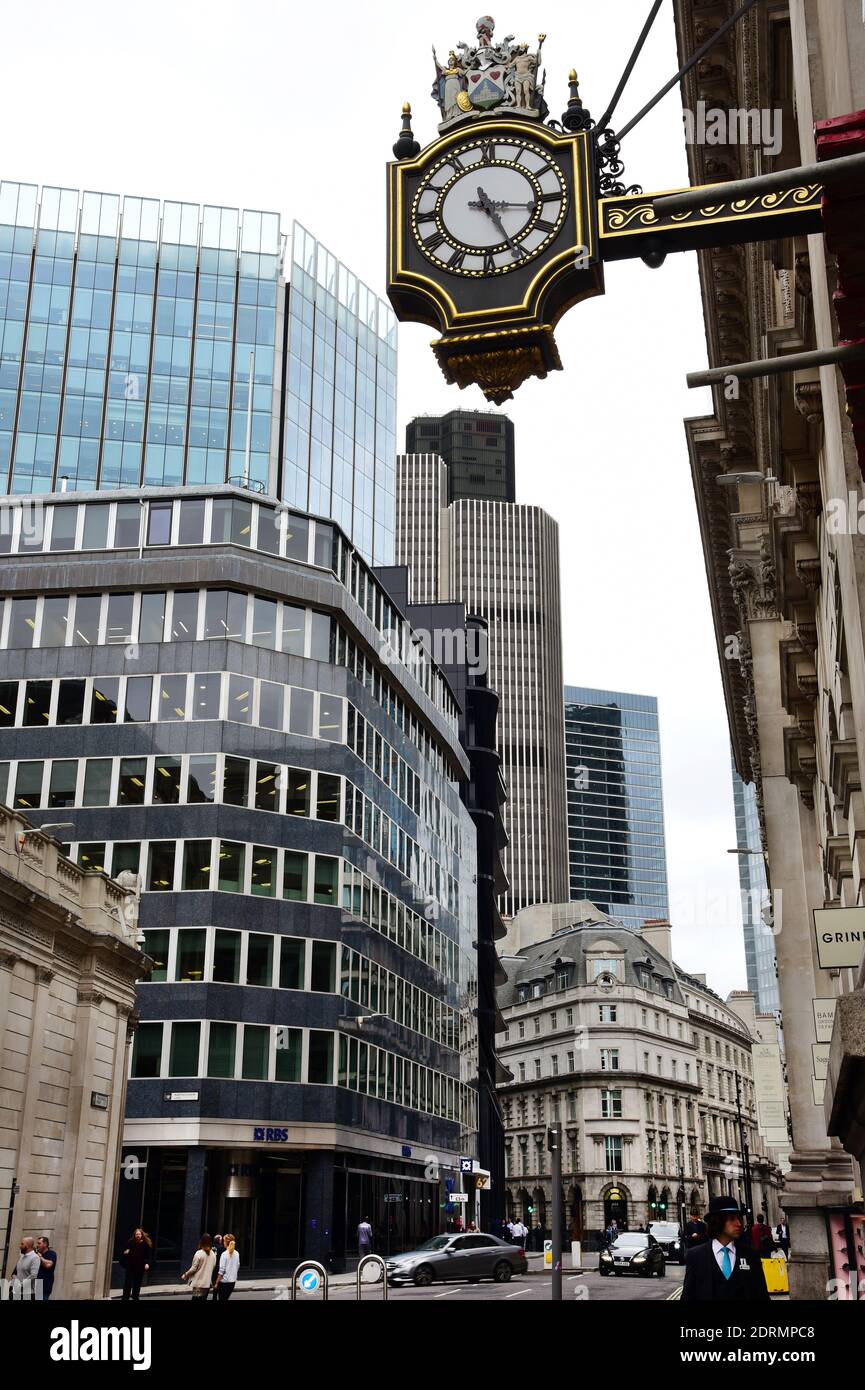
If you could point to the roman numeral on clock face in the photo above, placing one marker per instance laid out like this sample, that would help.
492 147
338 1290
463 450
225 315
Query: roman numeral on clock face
489 262
543 226
488 152
456 260
434 240
551 197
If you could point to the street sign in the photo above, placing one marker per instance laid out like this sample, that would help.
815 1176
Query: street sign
466 1165
309 1281
548 1254
393 1196
482 1180
840 935
458 1197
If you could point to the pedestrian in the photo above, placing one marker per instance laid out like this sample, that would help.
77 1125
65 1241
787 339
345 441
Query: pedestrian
27 1268
506 1230
472 1228
725 1267
47 1265
782 1236
136 1260
520 1232
612 1232
226 1271
200 1272
364 1238
695 1233
761 1236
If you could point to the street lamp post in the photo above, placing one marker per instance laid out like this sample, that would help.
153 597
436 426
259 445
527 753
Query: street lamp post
554 1144
743 1144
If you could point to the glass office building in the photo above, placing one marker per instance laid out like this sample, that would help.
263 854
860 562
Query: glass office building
163 345
754 891
615 803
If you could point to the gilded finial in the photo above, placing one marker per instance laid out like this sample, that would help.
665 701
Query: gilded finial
406 146
572 75
406 108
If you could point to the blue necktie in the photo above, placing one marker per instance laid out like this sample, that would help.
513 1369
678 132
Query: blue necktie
727 1263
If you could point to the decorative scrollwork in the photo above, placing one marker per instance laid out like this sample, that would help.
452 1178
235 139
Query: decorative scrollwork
611 166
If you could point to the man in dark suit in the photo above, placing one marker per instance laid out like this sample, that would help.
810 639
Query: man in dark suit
725 1267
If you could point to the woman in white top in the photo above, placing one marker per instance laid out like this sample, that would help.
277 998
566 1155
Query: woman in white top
229 1263
200 1272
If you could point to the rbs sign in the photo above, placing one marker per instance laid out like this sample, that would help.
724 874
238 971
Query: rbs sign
273 1136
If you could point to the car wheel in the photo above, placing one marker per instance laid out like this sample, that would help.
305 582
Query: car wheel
502 1272
423 1277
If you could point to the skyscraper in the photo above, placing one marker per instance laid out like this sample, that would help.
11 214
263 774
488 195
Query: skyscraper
164 345
502 561
476 445
615 803
754 890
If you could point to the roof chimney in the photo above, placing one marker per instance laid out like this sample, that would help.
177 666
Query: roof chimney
658 934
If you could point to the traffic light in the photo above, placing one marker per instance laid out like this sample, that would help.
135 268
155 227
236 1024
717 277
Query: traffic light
653 1206
662 1206
530 1210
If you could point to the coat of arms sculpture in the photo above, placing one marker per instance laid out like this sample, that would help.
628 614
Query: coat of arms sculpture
489 77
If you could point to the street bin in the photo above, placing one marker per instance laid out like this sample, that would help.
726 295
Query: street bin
775 1270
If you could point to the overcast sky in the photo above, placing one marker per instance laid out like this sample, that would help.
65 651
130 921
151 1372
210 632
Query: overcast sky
294 108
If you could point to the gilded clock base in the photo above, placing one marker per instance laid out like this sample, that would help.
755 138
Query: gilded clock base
498 363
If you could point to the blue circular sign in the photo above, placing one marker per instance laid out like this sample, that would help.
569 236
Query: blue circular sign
309 1281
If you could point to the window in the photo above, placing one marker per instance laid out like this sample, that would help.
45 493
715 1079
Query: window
9 701
171 701
522 1070
554 1021
91 858
63 528
196 865
127 525
151 625
320 637
166 781
613 1153
87 610
259 959
156 946
263 622
256 1045
270 711
327 797
61 789
160 867
300 712
572 1105
97 782
555 1062
55 622
569 1017
205 696
609 1059
326 879
147 1050
235 781
645 1061
292 956
22 622
201 784
288 1045
320 1068
138 700
605 967
183 1059
191 526
294 876
537 1025
232 863
221 1049
96 526
159 523
537 1067
330 717
226 957
561 979
37 703
606 1013
611 1104
293 629
522 1028
570 1061
323 976
660 1064
130 786
118 629
103 705
191 944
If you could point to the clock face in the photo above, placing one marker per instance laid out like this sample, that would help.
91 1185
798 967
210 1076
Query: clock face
489 207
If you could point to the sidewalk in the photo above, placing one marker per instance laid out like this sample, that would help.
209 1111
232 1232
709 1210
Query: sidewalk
271 1284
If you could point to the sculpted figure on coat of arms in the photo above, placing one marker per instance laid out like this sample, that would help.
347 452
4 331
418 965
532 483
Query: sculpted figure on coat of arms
488 77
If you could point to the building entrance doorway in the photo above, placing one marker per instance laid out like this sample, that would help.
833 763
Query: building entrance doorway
240 1221
616 1208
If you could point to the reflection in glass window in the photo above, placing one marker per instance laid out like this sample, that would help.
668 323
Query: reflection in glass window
28 786
292 955
171 703
85 632
196 865
288 1046
235 781
264 622
221 1049
138 700
119 624
294 875
267 785
55 622
268 530
226 957
300 712
191 527
259 959
240 692
130 786
64 775
185 1039
225 614
202 779
205 696
327 797
232 861
146 1048
323 976
151 627
184 615
263 872
96 526
63 526
296 536
9 701
191 944
103 706
166 781
125 857
330 717
159 524
91 857
232 521
293 629
270 705
156 946
22 624
37 704
97 782
256 1044
320 637
326 877
297 792
320 1069
160 866
70 702
127 526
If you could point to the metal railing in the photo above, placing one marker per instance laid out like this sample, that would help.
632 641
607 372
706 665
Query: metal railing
319 1269
375 1259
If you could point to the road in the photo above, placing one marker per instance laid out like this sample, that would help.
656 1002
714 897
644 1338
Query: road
535 1288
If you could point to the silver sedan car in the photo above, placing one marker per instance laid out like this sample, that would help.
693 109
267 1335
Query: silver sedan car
473 1257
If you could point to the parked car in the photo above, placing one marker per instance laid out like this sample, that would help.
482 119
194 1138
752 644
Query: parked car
633 1252
669 1237
472 1257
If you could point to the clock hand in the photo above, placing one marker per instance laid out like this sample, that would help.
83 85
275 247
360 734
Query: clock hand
530 206
489 209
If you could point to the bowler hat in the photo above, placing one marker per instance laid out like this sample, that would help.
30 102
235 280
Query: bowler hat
725 1206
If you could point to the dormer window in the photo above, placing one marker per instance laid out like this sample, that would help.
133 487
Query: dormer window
606 967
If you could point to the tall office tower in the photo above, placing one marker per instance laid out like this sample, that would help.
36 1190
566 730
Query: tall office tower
158 346
476 445
222 702
754 891
502 561
616 842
